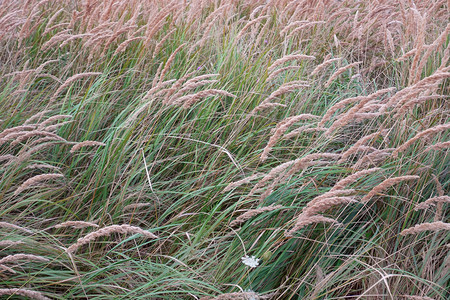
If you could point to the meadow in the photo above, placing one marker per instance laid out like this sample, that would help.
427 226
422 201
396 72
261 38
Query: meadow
224 149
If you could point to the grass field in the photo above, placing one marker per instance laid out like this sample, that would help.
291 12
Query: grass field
224 149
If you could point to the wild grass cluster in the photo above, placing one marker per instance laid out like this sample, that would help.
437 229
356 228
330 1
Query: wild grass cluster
224 149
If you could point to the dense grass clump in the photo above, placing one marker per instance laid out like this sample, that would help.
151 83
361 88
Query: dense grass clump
224 149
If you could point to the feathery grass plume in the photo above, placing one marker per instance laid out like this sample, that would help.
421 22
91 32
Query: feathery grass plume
352 178
12 226
420 135
59 37
51 20
432 202
324 65
345 102
36 117
360 143
189 100
413 297
271 175
287 58
234 296
253 212
80 145
161 42
303 26
169 62
409 104
8 269
276 72
106 231
9 243
305 220
21 128
434 226
189 87
440 205
308 160
280 129
30 134
16 257
136 205
76 224
244 29
53 119
43 166
405 94
70 80
283 89
439 146
432 47
339 72
7 157
386 184
121 48
23 292
33 181
373 159
421 23
238 183
323 204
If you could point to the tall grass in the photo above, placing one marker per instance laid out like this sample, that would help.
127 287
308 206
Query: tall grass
147 146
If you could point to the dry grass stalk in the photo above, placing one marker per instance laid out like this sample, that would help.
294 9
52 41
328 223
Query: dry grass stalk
80 145
420 135
35 180
409 104
419 41
106 231
15 257
281 129
253 212
354 148
352 178
12 226
287 58
340 71
304 220
386 184
303 26
70 80
76 224
23 292
432 202
308 160
434 226
238 183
